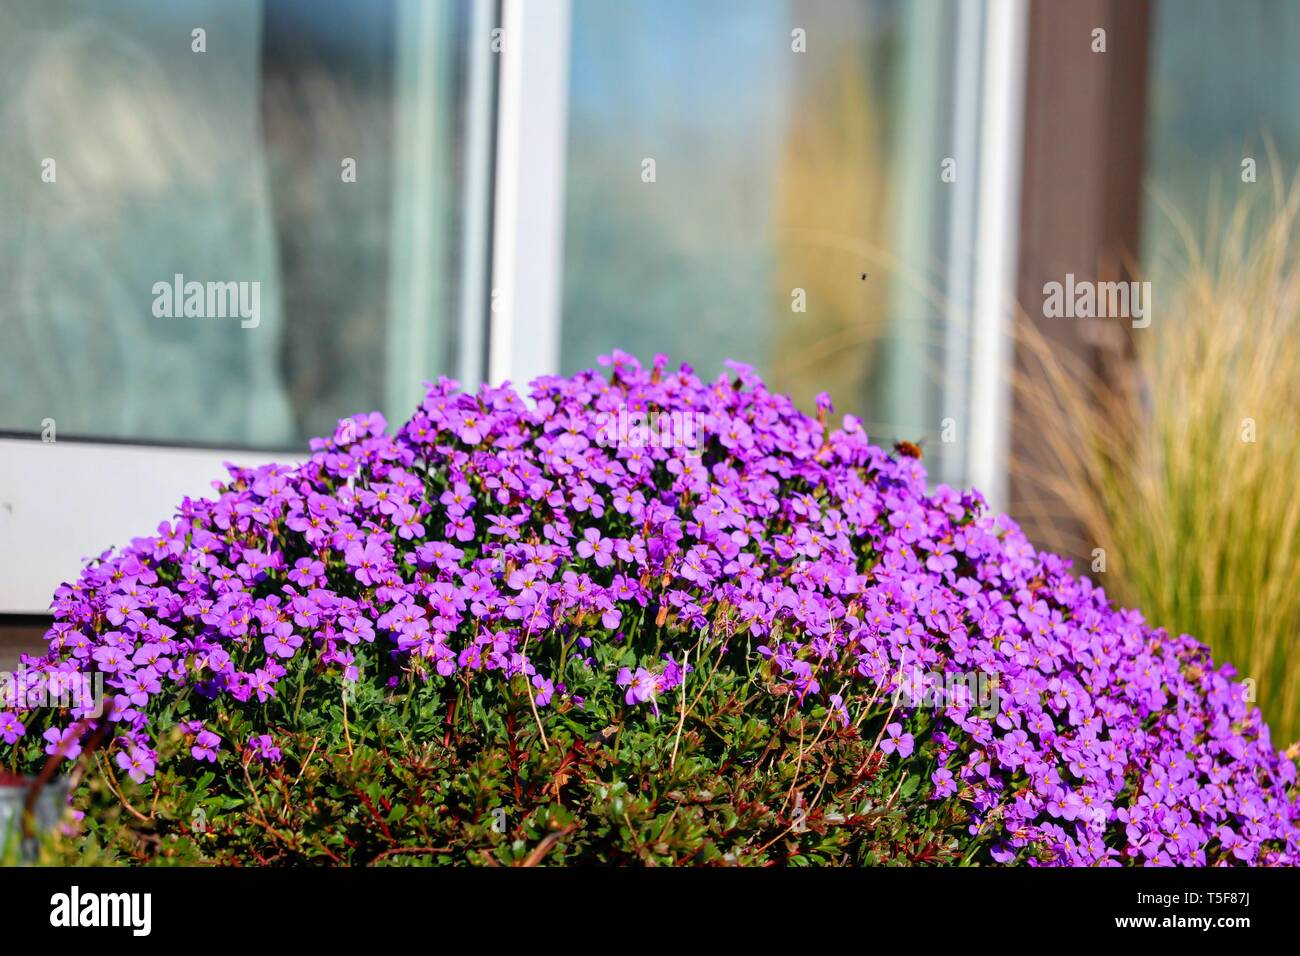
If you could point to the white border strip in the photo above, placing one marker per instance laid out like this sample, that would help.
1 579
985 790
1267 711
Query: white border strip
66 501
475 239
964 116
532 141
997 246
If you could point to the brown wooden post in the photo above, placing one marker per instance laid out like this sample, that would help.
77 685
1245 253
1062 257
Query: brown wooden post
1084 133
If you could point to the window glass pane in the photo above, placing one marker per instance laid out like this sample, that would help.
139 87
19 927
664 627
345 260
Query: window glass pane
1224 87
768 188
296 163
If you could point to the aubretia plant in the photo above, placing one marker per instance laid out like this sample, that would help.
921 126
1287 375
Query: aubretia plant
495 636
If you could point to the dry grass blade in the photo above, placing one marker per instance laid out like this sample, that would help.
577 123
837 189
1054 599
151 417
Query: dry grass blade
1188 478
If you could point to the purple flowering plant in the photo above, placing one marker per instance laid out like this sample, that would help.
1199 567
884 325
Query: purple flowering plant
497 636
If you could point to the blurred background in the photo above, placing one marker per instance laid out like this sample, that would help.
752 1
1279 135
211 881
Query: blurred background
865 197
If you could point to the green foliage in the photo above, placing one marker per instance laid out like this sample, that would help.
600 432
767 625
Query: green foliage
730 772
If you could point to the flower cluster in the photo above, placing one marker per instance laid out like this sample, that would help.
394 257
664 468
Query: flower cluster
489 527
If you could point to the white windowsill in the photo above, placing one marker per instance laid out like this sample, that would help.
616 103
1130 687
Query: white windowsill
65 501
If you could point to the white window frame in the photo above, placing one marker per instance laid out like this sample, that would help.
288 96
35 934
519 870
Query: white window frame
997 247
528 233
65 501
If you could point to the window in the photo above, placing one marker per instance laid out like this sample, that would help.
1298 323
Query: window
797 189
794 188
318 169
227 223
1223 87
299 164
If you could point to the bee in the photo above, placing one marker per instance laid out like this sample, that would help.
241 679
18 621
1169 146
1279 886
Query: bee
909 449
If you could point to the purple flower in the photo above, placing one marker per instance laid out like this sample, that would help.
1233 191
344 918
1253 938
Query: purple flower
897 741
282 645
545 690
65 742
263 747
119 606
206 746
944 785
642 686
140 685
458 498
368 559
471 426
593 545
1065 804
262 683
1234 843
585 499
137 762
306 572
111 659
11 728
